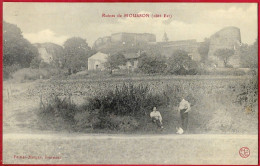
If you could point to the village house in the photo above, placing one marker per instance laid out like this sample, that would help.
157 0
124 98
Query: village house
96 61
228 37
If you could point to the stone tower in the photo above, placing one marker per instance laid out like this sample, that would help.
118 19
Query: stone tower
229 38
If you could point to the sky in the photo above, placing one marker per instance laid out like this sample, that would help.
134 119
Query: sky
56 22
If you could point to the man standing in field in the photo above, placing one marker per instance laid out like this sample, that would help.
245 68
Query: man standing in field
156 117
184 108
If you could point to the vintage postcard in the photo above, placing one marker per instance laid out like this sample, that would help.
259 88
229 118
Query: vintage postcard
130 83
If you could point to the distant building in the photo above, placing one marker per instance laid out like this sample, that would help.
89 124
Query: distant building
46 57
49 52
96 61
229 38
190 46
122 38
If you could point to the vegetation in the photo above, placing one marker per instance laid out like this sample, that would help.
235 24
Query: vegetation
9 70
17 51
114 61
119 109
248 93
152 64
76 52
224 55
35 63
249 55
111 104
98 110
57 53
30 74
180 63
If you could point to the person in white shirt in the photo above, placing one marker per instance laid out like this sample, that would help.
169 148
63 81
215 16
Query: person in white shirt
156 117
184 108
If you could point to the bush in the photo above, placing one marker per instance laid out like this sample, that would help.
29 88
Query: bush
126 100
232 120
28 74
34 74
180 63
119 123
120 108
112 107
232 72
117 109
247 94
151 65
35 63
59 108
124 123
9 70
85 119
174 95
44 65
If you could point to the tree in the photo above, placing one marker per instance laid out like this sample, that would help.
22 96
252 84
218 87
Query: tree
249 55
114 61
180 63
35 63
76 52
224 55
152 64
165 37
204 50
16 49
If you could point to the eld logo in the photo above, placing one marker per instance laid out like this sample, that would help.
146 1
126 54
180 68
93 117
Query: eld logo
244 152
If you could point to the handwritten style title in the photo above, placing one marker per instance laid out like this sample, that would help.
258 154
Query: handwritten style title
139 15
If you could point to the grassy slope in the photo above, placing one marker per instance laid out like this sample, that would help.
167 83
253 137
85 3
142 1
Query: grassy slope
214 113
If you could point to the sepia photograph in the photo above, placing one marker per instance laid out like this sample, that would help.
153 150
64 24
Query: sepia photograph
130 83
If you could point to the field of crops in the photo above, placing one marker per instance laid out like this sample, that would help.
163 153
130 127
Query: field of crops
87 87
211 97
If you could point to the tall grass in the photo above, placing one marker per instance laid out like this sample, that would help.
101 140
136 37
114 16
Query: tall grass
129 99
118 109
124 107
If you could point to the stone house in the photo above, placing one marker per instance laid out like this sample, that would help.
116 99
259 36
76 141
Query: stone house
96 61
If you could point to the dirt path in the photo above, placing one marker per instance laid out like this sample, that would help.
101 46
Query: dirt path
125 149
18 108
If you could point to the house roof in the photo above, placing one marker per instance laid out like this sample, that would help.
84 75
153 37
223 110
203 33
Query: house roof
131 55
99 56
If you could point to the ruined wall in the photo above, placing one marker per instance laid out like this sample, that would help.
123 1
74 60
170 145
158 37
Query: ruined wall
102 41
49 52
124 38
145 37
225 38
46 57
117 37
190 46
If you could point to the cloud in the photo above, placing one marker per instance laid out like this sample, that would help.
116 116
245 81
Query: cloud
175 29
202 25
245 19
128 24
208 23
45 36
